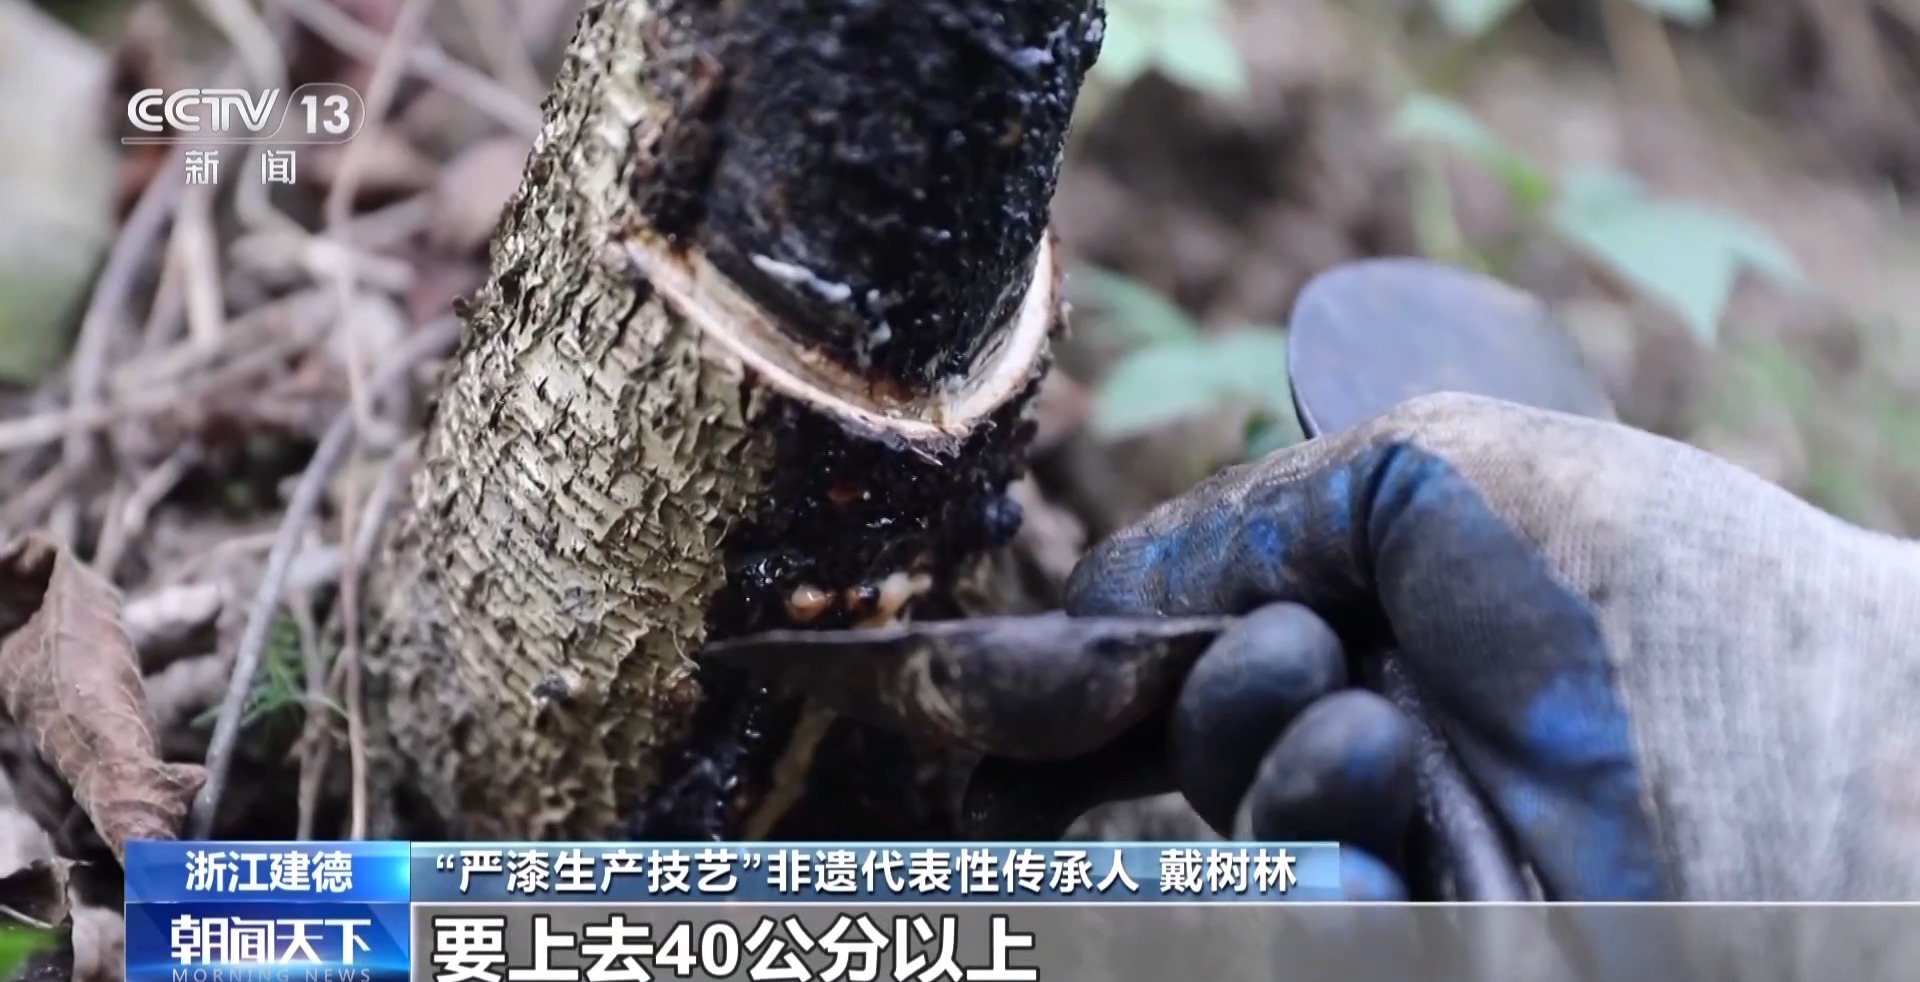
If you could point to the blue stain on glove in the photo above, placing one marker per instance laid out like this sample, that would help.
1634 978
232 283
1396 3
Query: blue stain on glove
1518 673
1510 659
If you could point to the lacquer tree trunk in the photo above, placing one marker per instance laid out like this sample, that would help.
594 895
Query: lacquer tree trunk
756 351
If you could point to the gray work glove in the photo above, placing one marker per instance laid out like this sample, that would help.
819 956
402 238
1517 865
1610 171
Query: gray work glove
1670 678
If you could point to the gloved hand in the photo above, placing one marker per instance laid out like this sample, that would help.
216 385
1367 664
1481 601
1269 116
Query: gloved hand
1670 678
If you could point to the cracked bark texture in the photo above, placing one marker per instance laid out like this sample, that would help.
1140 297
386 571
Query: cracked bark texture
603 487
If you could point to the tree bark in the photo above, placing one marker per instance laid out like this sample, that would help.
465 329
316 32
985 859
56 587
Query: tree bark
756 351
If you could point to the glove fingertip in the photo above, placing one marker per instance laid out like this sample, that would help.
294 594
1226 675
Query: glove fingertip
1121 576
1344 770
1251 684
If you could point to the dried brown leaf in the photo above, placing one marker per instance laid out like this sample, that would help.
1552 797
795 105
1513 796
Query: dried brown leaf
70 677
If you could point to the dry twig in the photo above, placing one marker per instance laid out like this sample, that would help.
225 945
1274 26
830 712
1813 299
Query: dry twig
199 259
129 516
383 86
173 623
302 315
258 38
33 431
94 343
44 428
313 747
346 186
426 61
430 341
359 552
502 45
24 509
254 40
379 507
169 302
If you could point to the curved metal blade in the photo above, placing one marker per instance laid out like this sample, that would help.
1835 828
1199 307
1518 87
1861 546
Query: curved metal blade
1016 687
1369 335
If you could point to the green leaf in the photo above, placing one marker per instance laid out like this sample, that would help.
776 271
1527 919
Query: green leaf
1447 123
1130 309
1683 254
1182 38
1425 115
1775 374
1171 381
18 942
1155 386
1600 187
1693 13
1252 362
1196 53
1472 18
1127 48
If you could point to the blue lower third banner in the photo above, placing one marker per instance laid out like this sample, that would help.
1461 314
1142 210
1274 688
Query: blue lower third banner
491 911
268 942
916 912
268 911
845 873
